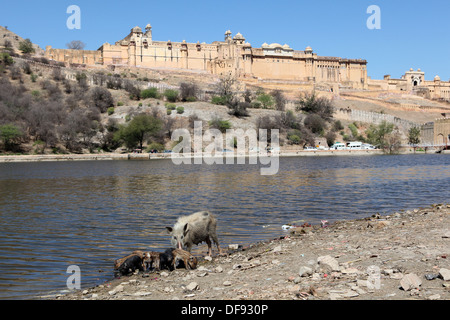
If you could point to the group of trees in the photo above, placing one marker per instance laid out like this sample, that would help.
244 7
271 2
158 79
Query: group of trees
313 118
227 93
66 115
301 127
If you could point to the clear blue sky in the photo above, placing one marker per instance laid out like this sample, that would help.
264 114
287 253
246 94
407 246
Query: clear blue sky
414 33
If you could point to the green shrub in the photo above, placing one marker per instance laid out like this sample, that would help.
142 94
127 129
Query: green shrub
120 103
294 139
256 105
171 95
266 100
6 59
26 46
33 77
110 111
338 125
170 106
222 125
353 129
219 100
150 93
169 112
155 146
180 110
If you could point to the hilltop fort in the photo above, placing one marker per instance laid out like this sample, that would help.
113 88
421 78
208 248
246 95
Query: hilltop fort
234 55
271 63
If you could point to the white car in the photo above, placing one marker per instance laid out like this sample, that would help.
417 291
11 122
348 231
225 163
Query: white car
366 146
338 146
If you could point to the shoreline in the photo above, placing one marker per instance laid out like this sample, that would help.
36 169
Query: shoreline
151 156
337 262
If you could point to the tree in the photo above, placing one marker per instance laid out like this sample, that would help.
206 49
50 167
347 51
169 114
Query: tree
384 136
226 88
280 99
188 91
315 123
76 45
310 103
140 128
414 137
237 108
26 46
101 98
331 138
171 95
266 100
392 142
10 134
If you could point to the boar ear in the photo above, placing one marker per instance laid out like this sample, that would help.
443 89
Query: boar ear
169 230
186 228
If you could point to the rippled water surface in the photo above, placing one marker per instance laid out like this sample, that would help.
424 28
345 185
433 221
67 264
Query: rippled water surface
56 214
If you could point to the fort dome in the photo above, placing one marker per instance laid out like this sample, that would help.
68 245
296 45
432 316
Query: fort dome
239 36
275 45
136 29
437 78
308 49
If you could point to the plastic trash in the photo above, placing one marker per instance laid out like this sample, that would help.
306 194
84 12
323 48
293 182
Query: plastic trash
431 276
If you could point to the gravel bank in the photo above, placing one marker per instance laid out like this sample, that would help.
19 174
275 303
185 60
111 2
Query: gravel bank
376 258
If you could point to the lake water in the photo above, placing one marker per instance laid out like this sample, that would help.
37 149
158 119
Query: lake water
57 214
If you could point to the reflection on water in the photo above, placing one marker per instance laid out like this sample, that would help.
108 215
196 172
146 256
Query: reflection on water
91 213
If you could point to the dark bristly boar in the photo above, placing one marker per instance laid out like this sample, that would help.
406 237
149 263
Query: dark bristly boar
130 263
194 229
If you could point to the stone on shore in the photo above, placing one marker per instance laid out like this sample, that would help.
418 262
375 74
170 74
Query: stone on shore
305 271
192 286
444 274
410 281
328 263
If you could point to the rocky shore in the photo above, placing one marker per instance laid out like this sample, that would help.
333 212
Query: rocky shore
402 256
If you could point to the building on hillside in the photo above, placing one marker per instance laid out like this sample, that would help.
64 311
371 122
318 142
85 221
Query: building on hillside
436 133
234 55
414 82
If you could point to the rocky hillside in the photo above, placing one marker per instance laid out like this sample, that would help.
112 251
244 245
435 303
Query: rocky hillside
13 41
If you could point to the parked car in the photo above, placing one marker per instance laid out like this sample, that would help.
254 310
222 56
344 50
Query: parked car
310 148
354 145
338 146
366 146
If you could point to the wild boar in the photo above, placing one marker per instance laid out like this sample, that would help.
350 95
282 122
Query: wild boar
194 229
152 260
166 260
184 259
130 263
